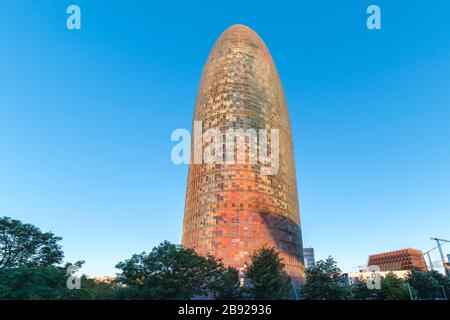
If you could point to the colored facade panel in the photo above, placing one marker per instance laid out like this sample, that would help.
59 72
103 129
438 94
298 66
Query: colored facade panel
406 259
233 209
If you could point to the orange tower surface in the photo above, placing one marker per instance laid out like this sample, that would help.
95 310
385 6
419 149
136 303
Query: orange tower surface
233 209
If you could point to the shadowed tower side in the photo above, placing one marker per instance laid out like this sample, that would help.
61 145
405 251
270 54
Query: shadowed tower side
233 209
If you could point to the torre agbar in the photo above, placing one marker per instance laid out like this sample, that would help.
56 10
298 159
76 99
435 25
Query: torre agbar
234 209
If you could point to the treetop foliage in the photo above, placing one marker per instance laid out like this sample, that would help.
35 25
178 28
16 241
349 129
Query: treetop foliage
24 244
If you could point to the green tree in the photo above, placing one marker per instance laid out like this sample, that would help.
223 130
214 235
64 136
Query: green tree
325 281
24 244
428 285
268 280
443 282
32 283
99 290
225 285
38 283
360 291
169 271
393 288
30 266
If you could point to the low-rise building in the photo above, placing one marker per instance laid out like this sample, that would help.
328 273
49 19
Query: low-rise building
364 275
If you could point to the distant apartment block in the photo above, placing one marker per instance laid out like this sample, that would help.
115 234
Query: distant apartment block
405 259
308 256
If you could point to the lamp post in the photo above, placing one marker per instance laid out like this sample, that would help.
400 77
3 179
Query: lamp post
438 241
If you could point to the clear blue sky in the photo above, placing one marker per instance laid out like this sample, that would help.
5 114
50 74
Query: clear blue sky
86 118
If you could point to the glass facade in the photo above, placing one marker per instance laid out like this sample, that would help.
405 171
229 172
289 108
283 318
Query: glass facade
233 209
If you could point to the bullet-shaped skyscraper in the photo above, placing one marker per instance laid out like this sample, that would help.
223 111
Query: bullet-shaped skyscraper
233 209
